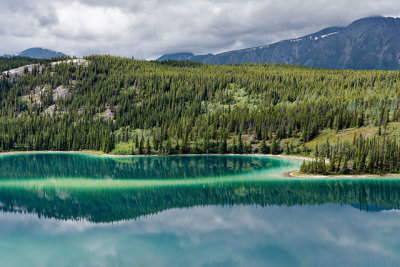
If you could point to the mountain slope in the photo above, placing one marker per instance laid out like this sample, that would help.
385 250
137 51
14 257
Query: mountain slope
41 53
126 106
177 56
369 43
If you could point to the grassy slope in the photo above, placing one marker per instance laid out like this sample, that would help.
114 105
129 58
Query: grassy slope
392 129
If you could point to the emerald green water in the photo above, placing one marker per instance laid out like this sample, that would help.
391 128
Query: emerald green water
75 210
68 165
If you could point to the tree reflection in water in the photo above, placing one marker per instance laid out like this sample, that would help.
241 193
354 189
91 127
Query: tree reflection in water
116 204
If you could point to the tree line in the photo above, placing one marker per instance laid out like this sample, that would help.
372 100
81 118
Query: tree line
127 106
376 155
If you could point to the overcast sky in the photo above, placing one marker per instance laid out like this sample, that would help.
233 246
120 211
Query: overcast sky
147 29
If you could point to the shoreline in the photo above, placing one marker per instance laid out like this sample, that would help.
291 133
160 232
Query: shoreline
294 174
100 154
83 152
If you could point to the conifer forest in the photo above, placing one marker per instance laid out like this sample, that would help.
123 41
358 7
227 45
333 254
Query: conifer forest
130 107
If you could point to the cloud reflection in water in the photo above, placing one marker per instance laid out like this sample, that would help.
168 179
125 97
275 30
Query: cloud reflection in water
209 236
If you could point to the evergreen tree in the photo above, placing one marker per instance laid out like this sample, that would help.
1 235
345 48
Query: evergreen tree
264 149
168 147
275 146
240 146
222 148
140 147
148 147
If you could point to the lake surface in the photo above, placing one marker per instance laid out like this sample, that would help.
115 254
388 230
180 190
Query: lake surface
62 209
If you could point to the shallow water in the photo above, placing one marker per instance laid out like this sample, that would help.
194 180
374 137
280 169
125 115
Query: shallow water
68 165
77 210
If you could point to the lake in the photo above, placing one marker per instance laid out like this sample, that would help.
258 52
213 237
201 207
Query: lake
64 209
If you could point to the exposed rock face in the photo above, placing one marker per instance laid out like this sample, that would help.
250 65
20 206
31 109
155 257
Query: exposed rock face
34 97
21 70
60 92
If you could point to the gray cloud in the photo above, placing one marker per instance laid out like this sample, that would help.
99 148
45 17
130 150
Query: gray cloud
147 29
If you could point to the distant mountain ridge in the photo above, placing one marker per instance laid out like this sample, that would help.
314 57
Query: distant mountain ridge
41 53
368 43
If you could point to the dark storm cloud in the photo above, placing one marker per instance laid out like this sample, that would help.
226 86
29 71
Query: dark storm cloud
147 29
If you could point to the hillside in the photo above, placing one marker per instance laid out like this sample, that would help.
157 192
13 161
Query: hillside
7 63
369 43
125 106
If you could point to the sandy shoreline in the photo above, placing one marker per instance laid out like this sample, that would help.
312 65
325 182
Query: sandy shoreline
51 152
297 175
100 154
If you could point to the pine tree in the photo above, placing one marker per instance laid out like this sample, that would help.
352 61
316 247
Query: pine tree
275 146
168 147
304 167
148 147
234 147
240 141
140 147
345 168
264 149
222 148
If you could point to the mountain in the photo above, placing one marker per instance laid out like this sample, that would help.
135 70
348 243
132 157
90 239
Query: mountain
186 56
368 43
177 56
38 52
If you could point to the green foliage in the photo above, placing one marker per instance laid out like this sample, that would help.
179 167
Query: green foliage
275 146
183 107
377 155
132 203
264 149
314 167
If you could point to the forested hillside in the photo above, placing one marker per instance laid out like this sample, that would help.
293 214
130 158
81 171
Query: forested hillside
126 106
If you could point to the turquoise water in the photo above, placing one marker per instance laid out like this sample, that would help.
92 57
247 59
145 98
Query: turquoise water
67 165
77 210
